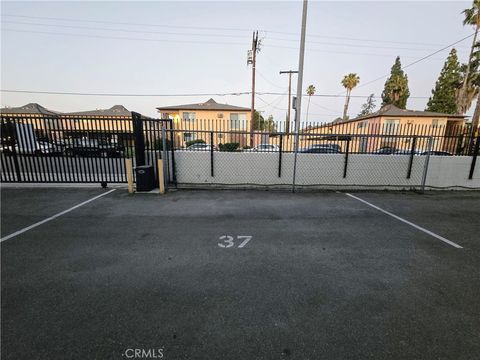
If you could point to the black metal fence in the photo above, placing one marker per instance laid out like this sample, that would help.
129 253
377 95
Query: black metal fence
73 149
409 150
84 149
449 139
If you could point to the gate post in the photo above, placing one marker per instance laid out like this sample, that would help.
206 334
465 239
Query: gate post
412 154
345 165
137 124
211 153
474 158
11 128
280 156
427 160
166 162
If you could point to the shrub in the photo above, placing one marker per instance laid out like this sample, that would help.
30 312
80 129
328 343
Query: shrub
229 147
191 142
158 144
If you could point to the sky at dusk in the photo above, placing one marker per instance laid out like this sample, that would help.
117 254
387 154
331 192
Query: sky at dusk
175 48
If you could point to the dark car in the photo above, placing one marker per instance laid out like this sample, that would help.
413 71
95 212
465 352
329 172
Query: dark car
91 148
406 152
437 153
323 149
387 150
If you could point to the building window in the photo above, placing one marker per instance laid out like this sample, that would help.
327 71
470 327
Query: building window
188 116
238 120
189 136
220 115
435 123
390 126
362 124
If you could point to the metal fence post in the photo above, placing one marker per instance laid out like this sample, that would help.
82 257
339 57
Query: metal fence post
139 139
346 159
412 154
13 134
427 160
211 153
280 156
172 151
165 163
474 158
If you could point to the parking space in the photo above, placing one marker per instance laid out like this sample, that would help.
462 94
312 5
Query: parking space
240 275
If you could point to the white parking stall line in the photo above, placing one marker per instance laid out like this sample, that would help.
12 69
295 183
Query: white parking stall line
16 233
407 222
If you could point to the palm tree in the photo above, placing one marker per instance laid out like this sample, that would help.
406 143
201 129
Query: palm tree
466 93
310 91
471 84
349 82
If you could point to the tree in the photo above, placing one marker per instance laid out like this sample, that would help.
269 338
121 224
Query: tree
349 82
368 107
470 87
310 91
466 92
260 124
443 97
475 89
396 90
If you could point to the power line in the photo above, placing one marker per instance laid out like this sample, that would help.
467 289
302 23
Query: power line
123 95
124 38
350 45
191 42
419 60
237 93
325 108
276 102
217 28
124 30
268 81
204 34
127 23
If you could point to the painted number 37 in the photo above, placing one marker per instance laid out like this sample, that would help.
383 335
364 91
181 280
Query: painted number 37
229 241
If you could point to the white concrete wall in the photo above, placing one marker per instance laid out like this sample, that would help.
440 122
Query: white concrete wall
452 171
323 170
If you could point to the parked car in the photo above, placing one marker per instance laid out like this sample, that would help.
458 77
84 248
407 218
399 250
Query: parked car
437 153
264 148
91 148
201 147
323 149
36 148
405 152
387 150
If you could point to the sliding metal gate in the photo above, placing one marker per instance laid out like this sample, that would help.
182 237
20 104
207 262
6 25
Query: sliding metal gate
77 149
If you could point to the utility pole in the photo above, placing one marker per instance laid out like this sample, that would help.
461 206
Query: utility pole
289 72
252 59
298 107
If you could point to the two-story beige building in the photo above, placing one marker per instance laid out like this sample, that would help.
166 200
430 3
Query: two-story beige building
194 121
446 129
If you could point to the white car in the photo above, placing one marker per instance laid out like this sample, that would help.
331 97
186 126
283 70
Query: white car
264 148
36 148
200 147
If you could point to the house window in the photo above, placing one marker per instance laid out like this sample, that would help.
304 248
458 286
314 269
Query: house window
220 115
390 126
238 120
189 136
362 124
435 124
188 116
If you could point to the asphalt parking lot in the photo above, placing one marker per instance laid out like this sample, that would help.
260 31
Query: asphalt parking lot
303 276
